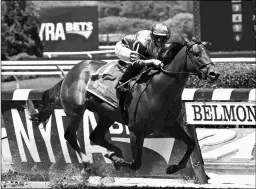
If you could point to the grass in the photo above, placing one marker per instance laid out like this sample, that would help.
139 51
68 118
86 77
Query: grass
42 83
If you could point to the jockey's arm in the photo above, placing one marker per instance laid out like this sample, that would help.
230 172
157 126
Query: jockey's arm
123 48
149 62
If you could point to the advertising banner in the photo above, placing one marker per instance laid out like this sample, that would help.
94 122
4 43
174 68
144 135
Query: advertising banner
24 144
69 29
224 113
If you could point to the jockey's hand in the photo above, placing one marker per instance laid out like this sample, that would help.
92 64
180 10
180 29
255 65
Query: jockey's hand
156 63
134 56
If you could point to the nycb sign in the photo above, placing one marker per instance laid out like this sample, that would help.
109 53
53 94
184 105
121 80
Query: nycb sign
69 29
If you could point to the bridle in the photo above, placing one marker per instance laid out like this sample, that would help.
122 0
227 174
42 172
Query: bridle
200 73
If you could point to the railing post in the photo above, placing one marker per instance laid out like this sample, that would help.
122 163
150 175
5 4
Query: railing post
17 81
61 70
89 55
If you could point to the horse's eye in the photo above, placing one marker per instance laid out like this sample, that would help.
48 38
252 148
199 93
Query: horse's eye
196 53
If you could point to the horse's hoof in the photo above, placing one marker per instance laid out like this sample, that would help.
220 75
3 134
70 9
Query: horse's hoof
127 164
118 162
110 155
172 169
117 166
134 166
86 172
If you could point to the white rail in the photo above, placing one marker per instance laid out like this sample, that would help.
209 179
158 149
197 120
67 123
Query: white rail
54 67
45 67
88 53
238 59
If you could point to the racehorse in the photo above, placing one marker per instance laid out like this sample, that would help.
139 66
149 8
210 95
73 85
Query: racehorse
154 103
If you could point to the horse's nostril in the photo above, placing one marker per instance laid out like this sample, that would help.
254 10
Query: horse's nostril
214 75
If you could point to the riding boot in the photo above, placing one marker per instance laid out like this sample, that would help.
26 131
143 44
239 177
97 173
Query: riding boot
130 72
122 106
125 77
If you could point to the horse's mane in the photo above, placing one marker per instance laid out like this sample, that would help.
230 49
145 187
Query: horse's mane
172 49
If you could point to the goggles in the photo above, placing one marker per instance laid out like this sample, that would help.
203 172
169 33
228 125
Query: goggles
161 39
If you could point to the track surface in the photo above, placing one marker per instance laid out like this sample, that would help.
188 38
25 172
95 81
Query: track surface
216 181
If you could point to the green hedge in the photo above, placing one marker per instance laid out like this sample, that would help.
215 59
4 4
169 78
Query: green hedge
180 25
232 75
20 29
124 25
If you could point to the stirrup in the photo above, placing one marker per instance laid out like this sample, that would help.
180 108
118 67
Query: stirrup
123 88
125 117
119 83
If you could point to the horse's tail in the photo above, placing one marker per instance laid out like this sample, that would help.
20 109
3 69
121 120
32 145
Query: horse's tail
50 99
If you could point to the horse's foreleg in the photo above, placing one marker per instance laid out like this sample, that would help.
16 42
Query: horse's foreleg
98 137
180 134
137 140
196 158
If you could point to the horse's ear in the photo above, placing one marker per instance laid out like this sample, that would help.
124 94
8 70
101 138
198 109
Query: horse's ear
186 40
194 39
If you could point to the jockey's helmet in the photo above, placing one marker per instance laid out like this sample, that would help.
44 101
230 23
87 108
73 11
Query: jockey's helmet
160 33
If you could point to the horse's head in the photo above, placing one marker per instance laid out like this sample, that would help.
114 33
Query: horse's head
196 59
199 61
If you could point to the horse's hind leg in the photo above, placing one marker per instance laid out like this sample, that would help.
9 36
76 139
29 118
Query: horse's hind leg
97 137
70 133
179 133
71 137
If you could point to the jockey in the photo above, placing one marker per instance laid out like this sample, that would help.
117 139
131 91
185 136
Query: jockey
135 48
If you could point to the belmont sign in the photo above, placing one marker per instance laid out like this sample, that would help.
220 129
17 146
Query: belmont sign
69 29
224 113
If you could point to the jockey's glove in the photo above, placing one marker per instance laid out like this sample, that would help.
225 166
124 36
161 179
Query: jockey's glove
134 56
156 63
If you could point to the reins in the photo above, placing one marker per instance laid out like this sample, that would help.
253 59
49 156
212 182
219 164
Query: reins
135 76
170 73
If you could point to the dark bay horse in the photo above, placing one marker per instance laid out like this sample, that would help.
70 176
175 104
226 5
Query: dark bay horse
155 103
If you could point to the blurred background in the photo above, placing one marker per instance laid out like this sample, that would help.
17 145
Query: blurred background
78 30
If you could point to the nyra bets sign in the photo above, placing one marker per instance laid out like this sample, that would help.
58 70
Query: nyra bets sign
69 29
221 113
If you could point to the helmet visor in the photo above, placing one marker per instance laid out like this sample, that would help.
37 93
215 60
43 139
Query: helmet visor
161 39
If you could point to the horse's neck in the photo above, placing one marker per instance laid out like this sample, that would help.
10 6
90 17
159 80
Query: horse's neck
170 88
177 65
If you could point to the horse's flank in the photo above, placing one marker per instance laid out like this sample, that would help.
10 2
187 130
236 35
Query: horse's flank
73 89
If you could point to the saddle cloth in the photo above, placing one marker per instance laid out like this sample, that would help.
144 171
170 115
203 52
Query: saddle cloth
103 82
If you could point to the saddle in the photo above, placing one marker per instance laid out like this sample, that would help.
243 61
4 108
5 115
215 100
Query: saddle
103 82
